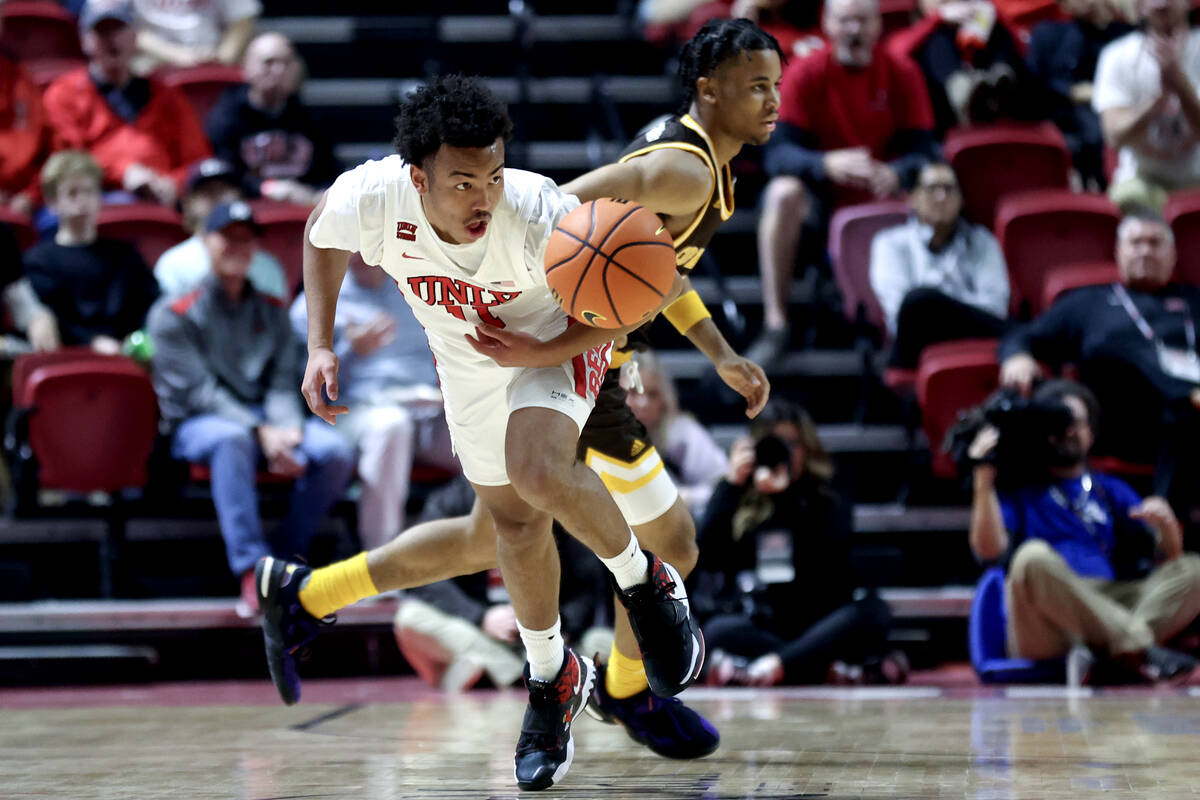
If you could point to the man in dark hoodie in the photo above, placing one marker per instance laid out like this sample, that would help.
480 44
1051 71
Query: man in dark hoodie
264 131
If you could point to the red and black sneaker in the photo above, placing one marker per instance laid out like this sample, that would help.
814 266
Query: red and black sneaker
670 640
546 746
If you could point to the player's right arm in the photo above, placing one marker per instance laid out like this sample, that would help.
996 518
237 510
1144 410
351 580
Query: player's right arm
669 182
324 270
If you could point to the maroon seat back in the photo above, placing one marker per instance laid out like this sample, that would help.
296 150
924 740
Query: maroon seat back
1044 229
994 160
92 424
850 233
152 229
952 377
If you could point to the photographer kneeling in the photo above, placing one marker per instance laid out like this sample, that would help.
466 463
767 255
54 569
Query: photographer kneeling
775 541
1090 564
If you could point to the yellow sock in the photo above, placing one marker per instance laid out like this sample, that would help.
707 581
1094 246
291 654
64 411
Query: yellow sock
624 676
337 586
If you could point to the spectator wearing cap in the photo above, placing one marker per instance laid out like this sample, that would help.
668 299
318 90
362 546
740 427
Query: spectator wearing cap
262 128
99 289
225 370
175 34
182 268
143 133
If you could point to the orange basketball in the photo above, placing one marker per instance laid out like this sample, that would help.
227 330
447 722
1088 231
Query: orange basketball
610 263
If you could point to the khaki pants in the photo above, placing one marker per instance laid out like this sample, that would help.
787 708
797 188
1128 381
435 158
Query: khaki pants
451 653
1050 608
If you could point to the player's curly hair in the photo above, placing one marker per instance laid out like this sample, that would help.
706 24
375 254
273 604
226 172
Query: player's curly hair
713 44
451 109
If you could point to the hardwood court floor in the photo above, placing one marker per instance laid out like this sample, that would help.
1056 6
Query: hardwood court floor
391 739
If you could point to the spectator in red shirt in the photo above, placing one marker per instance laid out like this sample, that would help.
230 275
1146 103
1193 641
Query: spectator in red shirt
144 133
24 137
855 125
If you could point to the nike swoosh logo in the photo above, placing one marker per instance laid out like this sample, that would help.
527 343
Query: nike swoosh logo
578 679
419 258
661 228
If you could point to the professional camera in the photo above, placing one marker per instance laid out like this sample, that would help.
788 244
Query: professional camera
1029 434
771 451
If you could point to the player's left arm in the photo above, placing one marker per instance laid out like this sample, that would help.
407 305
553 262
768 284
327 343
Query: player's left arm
691 318
670 182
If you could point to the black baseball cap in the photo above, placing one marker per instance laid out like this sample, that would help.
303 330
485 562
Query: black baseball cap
210 169
228 214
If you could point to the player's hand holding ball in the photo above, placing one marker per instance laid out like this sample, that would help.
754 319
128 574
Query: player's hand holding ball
610 263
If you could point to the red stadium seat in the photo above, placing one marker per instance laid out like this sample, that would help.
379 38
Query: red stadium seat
850 233
1183 215
1064 278
994 160
952 377
22 226
203 84
92 424
152 228
38 30
25 365
283 236
1043 229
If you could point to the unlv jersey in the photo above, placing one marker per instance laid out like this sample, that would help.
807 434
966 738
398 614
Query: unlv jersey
499 280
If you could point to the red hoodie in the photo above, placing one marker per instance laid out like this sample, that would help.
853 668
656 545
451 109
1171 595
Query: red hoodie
24 135
166 137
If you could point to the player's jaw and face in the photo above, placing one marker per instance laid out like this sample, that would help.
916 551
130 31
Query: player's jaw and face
460 187
745 93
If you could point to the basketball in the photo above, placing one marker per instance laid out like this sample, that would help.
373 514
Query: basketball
610 263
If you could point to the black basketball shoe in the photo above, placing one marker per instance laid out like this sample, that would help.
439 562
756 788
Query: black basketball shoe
671 642
664 724
546 746
287 627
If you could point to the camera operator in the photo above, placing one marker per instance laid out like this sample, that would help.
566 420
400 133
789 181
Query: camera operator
775 542
1135 345
1073 538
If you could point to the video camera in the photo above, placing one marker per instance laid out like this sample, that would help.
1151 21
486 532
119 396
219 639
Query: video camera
1025 450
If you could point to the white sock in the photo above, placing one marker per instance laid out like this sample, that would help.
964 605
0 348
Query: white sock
630 566
544 649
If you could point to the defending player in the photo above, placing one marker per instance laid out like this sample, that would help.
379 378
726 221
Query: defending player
679 168
730 73
451 225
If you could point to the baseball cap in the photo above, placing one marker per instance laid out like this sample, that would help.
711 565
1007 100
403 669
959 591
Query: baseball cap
96 11
207 170
228 214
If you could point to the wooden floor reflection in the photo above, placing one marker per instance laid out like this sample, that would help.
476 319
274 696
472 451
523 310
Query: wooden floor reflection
782 744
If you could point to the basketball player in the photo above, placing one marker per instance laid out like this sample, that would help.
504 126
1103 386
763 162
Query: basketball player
679 168
730 73
464 238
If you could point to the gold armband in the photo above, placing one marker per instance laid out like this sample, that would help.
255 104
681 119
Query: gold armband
686 311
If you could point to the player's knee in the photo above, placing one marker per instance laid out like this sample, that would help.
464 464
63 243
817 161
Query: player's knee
679 546
539 482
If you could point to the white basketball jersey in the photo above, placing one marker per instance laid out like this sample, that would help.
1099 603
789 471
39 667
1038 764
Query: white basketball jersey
500 280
